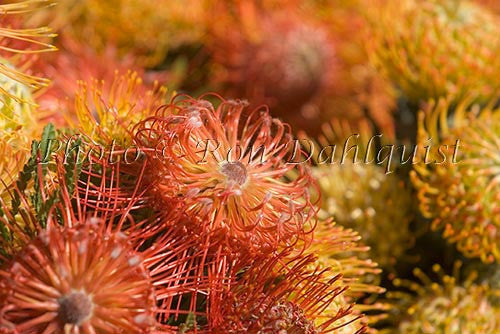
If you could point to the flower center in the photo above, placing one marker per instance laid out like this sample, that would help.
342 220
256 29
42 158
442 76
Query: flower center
235 172
75 308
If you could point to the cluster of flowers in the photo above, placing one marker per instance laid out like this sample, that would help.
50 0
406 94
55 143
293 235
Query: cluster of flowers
137 210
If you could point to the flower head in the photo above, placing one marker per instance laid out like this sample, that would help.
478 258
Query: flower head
108 111
435 48
72 64
77 279
216 163
186 267
447 306
460 194
284 296
282 60
359 194
295 59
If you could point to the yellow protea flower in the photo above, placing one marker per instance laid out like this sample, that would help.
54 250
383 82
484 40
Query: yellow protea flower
447 306
435 48
376 204
342 251
146 29
363 195
107 112
17 42
461 194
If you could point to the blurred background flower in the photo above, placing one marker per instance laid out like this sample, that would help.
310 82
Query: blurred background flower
431 49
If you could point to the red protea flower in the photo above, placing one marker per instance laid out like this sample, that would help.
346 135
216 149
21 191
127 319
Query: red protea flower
283 296
215 164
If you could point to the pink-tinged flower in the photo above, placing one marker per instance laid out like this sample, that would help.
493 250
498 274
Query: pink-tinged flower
280 295
230 166
78 279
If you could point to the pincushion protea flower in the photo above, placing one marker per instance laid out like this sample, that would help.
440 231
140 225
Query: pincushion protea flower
104 108
283 296
281 60
77 280
365 198
16 42
75 273
104 262
434 48
76 62
357 191
187 267
448 306
293 58
107 111
212 162
460 194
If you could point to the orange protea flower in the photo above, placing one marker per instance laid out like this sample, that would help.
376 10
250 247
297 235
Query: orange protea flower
186 266
103 108
16 42
214 163
79 271
109 111
75 62
283 296
433 48
460 193
448 306
79 279
104 262
282 60
296 60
